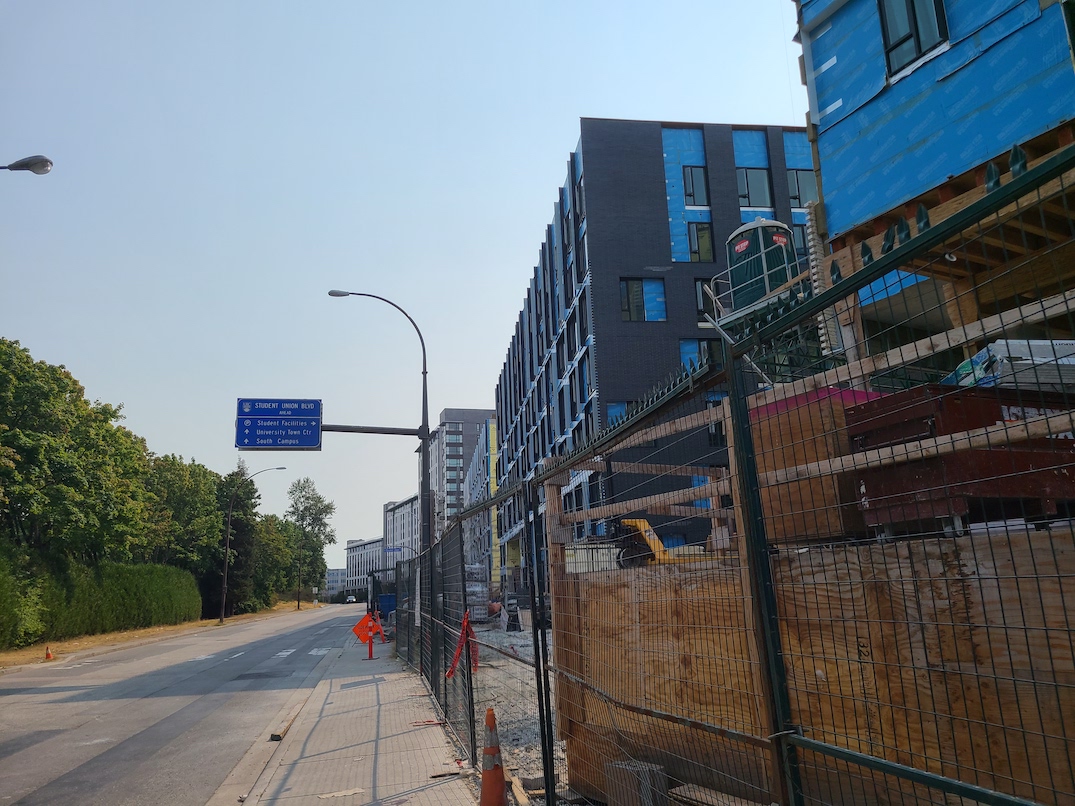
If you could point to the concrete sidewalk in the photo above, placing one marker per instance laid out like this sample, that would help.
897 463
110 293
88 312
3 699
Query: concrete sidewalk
367 734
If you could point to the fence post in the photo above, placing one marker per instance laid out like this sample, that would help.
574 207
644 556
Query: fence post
767 625
541 649
468 666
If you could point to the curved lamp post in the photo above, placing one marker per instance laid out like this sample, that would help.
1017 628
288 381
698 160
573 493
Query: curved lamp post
424 430
37 165
227 536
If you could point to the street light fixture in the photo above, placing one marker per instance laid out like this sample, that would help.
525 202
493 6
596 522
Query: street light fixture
37 165
424 430
227 536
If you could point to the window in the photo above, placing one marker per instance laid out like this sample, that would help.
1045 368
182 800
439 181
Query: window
798 237
615 411
695 192
451 486
642 300
454 437
703 300
802 186
753 187
695 352
454 463
910 29
700 236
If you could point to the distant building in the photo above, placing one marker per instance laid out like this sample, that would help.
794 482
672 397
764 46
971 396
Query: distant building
451 448
480 543
402 529
335 582
364 556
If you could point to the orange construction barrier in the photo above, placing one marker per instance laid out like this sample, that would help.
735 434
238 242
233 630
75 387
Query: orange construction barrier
494 787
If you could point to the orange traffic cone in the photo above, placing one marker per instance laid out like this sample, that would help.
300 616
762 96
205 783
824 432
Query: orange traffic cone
494 787
48 653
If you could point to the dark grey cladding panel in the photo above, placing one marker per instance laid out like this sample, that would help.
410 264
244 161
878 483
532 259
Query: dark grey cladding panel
779 172
723 188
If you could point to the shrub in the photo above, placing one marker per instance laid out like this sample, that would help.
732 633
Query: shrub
84 601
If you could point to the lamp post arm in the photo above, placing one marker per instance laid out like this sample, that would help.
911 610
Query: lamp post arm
425 494
394 305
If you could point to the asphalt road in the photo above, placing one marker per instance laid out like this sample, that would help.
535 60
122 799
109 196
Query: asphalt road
163 722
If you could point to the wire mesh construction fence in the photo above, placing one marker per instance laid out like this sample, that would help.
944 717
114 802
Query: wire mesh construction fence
833 563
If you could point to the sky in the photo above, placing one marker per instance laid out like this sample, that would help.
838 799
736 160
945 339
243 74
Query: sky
220 166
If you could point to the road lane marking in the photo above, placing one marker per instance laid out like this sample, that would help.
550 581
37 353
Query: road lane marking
237 654
283 654
321 650
201 657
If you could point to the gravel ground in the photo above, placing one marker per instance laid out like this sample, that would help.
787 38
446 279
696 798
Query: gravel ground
505 681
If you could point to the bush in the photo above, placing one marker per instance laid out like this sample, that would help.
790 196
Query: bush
83 601
9 606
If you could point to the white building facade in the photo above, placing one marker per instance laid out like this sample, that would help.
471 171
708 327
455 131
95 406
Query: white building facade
402 529
364 556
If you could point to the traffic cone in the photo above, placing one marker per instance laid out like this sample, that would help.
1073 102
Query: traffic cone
494 787
48 653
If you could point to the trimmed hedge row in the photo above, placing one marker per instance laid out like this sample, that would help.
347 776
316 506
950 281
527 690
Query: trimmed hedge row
86 601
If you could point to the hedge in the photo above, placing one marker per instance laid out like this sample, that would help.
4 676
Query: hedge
86 601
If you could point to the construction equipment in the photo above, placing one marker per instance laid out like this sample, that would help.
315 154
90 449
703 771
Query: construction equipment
640 545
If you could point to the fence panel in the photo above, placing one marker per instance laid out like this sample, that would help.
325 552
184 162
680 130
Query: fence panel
835 563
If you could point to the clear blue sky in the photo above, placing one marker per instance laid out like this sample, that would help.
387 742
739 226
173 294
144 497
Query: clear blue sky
221 166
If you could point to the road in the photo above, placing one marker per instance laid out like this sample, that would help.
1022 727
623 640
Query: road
163 722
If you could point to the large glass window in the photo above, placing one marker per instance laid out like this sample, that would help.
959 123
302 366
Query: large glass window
695 192
700 235
642 300
911 28
802 186
754 187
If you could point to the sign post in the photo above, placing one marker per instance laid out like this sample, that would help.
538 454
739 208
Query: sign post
278 425
366 628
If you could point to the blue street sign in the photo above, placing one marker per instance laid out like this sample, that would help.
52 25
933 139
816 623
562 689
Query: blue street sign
271 407
393 548
278 425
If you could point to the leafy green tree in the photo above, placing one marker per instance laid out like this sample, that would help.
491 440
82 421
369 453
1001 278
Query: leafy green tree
243 520
310 511
185 527
72 479
275 540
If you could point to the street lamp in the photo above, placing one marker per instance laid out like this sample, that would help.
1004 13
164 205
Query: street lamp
37 165
424 430
227 536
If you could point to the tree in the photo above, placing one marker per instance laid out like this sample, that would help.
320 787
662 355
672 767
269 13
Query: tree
275 540
72 479
310 511
185 527
243 496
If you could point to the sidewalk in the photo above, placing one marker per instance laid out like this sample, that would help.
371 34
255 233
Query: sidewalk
362 737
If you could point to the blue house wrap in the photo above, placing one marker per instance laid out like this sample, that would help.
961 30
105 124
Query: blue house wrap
1003 76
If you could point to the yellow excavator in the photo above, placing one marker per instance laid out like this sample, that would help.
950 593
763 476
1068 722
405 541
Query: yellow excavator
639 545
